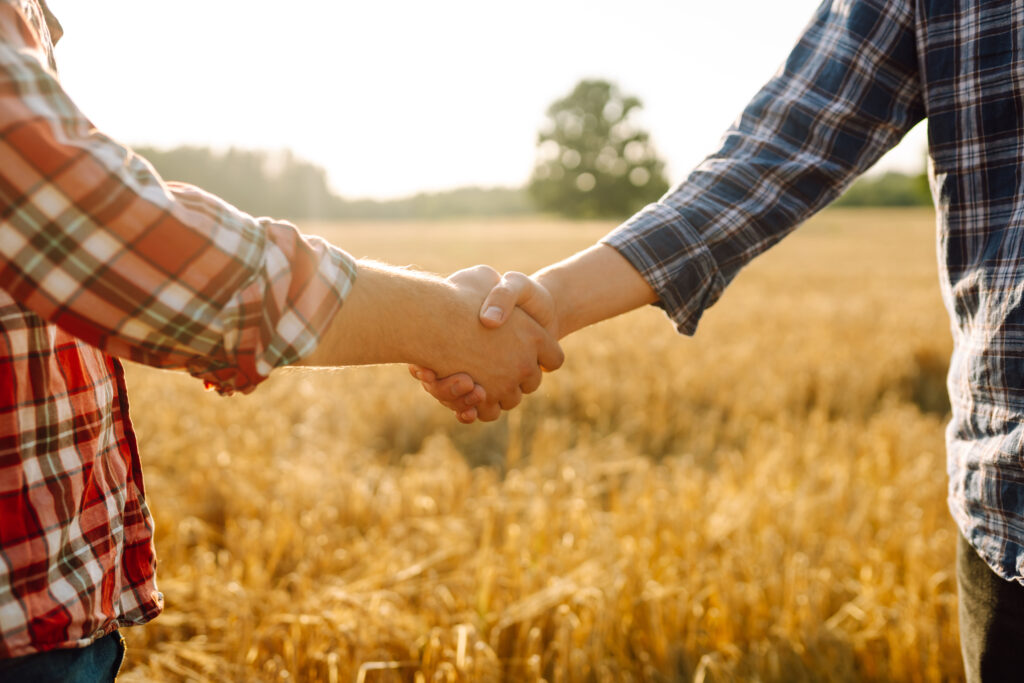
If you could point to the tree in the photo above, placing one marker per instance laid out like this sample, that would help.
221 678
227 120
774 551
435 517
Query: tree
592 160
259 182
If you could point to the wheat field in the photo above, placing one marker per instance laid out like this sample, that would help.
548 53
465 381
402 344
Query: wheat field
764 501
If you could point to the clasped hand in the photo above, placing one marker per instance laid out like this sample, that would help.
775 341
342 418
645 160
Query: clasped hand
523 309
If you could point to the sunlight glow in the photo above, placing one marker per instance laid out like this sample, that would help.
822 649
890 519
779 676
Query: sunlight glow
394 96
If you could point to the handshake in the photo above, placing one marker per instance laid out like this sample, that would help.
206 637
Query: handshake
514 357
476 340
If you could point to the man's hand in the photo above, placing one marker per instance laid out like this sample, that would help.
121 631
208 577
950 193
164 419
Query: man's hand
459 392
398 315
481 280
593 285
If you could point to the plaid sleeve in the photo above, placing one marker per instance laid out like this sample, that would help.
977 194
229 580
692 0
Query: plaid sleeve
848 92
93 241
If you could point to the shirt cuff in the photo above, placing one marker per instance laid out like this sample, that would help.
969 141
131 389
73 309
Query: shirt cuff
301 288
674 260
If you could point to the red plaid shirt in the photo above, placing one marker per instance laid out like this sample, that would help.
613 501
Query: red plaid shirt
100 258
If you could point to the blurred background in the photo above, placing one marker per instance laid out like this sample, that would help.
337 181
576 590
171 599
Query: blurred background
405 109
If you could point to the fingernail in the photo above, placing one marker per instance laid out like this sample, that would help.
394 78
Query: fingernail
456 390
493 313
419 375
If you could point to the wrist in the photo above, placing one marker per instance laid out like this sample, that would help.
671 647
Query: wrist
559 286
444 323
596 284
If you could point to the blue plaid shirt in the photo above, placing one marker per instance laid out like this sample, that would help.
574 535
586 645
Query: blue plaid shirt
863 73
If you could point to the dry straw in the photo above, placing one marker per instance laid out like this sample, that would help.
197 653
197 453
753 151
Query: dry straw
764 502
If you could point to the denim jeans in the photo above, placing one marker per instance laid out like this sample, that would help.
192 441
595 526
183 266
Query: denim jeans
991 620
97 663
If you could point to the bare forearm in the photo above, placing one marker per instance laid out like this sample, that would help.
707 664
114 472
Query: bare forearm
392 315
593 285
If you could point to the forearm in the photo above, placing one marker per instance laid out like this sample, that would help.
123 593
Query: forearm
391 315
849 91
593 285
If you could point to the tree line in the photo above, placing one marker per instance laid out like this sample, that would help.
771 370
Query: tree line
281 184
592 161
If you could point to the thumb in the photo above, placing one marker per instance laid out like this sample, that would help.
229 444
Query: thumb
500 301
516 289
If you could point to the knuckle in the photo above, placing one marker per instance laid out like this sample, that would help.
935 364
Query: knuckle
515 277
503 289
488 273
531 386
525 372
534 335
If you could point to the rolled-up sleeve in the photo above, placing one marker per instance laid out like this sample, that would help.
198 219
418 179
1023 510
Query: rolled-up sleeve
92 240
847 93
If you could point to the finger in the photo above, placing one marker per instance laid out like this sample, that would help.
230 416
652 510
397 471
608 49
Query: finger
433 389
532 382
511 400
454 386
474 398
456 406
466 401
421 373
534 299
488 412
447 389
460 404
467 416
501 301
516 289
477 277
549 353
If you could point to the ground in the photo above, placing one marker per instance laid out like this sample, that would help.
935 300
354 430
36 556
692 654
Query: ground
765 500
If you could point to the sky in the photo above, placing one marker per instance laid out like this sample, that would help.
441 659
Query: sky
394 97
